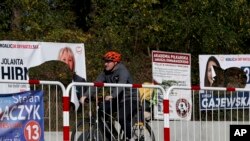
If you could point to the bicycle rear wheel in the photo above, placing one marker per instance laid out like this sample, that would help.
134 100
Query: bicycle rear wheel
87 132
141 131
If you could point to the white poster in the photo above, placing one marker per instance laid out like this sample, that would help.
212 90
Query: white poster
170 69
224 70
16 57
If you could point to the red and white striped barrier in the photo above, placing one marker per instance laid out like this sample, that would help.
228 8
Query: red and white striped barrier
166 129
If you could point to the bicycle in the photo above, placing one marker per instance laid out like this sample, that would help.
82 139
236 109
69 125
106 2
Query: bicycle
94 128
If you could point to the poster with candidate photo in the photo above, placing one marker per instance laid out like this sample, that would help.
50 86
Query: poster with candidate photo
16 57
228 71
224 71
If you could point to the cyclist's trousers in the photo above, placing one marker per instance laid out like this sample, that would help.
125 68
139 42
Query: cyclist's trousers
125 111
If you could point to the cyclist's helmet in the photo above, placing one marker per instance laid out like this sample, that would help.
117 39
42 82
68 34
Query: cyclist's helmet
112 56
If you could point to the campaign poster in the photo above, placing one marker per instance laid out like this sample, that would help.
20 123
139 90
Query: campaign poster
228 71
16 57
224 70
21 116
211 101
173 69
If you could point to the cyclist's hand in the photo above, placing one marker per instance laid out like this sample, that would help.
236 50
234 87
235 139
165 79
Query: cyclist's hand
108 98
82 99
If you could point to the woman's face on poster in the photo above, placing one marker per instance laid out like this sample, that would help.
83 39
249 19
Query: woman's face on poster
209 72
67 58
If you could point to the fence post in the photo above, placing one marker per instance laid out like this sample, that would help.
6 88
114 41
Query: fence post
166 116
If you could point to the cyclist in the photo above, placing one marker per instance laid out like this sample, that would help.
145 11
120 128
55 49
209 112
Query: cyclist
116 72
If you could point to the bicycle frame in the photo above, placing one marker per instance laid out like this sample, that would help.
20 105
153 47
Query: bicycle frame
112 130
105 126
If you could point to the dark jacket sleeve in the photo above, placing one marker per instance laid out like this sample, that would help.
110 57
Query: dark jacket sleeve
124 78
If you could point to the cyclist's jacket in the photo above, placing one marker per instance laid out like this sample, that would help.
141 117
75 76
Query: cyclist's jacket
119 74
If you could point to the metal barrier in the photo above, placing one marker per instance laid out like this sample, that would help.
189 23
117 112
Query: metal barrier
56 103
88 121
214 110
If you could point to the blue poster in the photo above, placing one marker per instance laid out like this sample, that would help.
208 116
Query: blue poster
212 101
21 116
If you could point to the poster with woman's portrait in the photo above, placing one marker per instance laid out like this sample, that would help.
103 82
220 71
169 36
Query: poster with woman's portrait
16 57
224 71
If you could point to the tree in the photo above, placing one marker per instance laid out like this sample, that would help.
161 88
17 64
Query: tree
196 27
132 27
43 20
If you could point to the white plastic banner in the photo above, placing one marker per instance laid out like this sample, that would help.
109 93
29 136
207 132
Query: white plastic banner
16 57
233 64
170 68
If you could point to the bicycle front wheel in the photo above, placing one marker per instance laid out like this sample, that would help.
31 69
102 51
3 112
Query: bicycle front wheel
81 132
87 132
141 131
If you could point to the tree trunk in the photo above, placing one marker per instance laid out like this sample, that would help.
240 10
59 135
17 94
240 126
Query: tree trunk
15 19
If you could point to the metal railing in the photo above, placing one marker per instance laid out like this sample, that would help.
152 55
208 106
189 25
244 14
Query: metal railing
214 110
88 110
